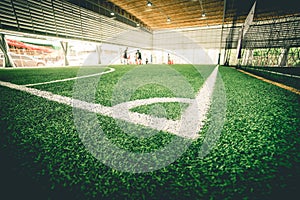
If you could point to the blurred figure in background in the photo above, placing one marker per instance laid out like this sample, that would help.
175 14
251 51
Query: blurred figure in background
138 57
125 56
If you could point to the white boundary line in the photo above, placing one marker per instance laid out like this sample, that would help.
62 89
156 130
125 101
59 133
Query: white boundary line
188 126
69 79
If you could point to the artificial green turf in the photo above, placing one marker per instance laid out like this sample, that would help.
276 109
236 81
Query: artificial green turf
286 80
23 76
256 157
171 110
105 85
284 70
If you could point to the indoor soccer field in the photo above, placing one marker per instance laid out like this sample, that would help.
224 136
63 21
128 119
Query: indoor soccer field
149 99
44 154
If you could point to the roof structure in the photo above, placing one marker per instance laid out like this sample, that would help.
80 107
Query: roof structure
195 13
276 23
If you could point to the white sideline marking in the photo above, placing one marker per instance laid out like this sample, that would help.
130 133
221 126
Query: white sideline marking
188 126
69 79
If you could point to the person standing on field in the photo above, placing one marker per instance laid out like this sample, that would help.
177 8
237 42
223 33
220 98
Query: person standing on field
125 56
138 57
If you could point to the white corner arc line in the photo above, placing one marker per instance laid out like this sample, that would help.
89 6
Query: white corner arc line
70 79
188 126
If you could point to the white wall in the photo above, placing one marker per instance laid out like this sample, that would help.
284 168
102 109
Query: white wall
112 48
196 46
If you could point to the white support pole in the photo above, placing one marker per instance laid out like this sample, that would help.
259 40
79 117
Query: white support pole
99 52
224 12
284 57
8 62
247 57
65 46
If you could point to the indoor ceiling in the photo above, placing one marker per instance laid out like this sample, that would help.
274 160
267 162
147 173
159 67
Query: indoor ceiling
190 13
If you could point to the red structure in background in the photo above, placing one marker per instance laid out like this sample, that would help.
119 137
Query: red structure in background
170 62
21 45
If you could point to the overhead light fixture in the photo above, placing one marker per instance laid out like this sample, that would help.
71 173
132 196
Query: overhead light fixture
113 15
203 15
149 3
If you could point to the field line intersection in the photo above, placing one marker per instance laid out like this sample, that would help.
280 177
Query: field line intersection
187 127
136 118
